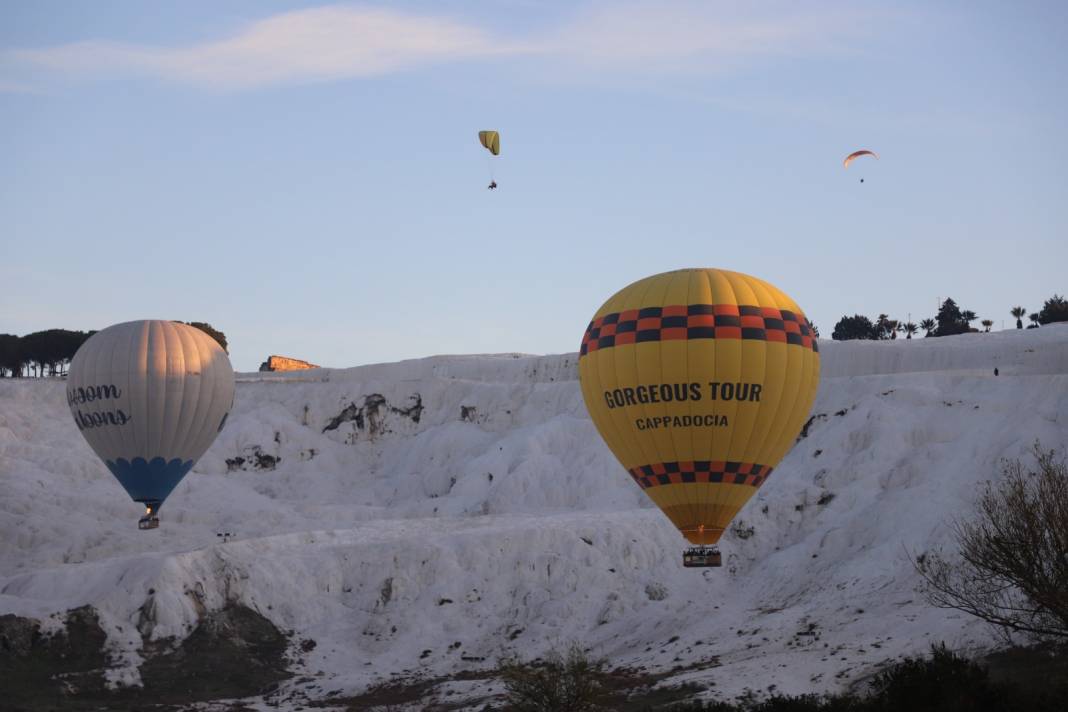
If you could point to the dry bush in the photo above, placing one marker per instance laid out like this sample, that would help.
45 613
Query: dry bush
570 682
1012 566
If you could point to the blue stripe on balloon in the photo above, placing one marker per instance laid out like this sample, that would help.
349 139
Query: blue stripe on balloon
149 481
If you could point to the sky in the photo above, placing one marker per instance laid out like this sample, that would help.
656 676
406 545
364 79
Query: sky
307 177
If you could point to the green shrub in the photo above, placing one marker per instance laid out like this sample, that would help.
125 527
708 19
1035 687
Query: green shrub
945 682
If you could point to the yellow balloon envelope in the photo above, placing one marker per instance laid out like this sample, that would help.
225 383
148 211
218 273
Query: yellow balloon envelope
491 140
699 380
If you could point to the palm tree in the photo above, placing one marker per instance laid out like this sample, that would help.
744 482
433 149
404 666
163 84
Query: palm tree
928 325
909 328
882 327
1034 320
987 323
892 327
1019 313
968 317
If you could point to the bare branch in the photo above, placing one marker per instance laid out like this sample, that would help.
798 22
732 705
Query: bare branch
1011 568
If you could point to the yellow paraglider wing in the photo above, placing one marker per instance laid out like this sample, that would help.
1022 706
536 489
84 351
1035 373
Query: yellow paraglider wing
857 154
699 381
491 140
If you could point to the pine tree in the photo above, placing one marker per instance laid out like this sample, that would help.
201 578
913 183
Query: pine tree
950 320
857 326
1055 309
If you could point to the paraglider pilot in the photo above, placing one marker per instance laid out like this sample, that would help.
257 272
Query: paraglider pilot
492 185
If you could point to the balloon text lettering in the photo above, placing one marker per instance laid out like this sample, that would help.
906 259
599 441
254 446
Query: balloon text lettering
90 394
679 392
95 420
711 420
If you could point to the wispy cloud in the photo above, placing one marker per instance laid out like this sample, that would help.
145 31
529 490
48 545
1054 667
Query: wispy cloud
344 42
9 87
698 36
316 45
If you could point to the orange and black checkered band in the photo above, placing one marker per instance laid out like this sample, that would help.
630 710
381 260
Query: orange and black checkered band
675 473
698 321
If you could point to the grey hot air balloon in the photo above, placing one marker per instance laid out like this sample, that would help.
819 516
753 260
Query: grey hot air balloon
150 397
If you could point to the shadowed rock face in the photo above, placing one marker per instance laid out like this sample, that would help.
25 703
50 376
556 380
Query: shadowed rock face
371 415
256 459
39 671
234 652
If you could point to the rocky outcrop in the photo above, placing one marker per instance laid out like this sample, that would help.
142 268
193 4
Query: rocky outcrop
284 363
233 652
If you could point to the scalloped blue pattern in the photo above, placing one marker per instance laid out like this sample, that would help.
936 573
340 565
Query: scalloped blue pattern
149 481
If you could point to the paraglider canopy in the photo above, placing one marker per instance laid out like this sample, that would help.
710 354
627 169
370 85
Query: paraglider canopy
857 154
491 140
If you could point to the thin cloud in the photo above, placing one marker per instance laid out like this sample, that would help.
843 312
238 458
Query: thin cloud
8 87
699 36
345 42
322 44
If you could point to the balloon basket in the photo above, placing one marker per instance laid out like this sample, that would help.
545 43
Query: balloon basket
702 557
150 520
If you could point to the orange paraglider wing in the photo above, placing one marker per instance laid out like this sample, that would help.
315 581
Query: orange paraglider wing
857 154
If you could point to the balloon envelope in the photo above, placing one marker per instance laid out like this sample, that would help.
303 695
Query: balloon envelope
699 380
150 397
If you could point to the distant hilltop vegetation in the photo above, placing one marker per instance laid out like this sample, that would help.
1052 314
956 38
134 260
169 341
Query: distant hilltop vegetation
284 363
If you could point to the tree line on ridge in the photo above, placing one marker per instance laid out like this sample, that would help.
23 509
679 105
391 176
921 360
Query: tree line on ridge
951 319
49 352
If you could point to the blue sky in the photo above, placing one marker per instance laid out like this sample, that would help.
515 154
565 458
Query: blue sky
307 177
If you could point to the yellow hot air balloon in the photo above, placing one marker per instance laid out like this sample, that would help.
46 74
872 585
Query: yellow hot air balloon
699 380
